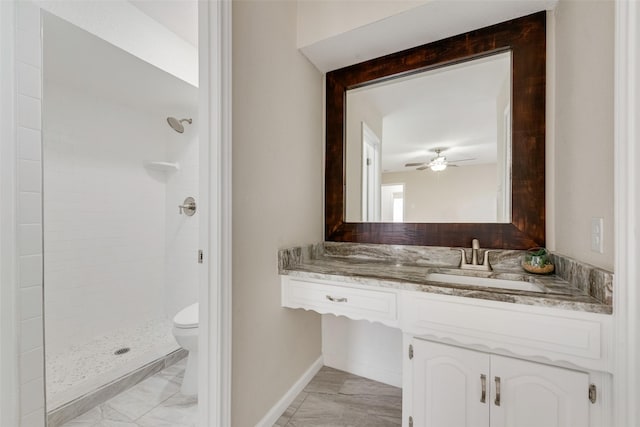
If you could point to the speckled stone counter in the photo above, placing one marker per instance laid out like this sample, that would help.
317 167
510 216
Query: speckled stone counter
574 286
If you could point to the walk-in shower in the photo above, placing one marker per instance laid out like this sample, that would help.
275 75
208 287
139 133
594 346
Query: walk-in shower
118 257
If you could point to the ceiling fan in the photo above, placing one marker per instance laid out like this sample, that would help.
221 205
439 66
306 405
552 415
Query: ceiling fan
437 164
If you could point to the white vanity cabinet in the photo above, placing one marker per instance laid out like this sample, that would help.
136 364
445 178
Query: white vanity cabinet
457 387
461 344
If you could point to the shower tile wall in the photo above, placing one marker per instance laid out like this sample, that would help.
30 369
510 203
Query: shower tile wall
104 223
29 220
181 288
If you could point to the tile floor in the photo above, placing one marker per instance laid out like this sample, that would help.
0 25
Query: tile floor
154 402
338 399
86 366
332 399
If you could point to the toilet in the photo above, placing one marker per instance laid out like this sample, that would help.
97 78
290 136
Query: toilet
185 330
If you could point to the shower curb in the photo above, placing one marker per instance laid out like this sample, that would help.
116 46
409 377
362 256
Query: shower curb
85 403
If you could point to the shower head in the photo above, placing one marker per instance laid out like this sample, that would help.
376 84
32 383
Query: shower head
177 124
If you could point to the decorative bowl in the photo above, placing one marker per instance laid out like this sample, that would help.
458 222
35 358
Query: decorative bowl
538 261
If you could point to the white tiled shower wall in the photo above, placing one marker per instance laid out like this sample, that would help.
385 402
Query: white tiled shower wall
104 216
181 276
29 218
117 253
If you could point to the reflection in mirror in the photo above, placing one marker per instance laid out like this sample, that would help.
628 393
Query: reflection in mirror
433 146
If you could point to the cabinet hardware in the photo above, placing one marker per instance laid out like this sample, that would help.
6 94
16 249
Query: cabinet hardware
200 256
410 421
483 381
497 401
593 394
410 351
334 299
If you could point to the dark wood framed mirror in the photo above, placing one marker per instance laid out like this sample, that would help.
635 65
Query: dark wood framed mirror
525 39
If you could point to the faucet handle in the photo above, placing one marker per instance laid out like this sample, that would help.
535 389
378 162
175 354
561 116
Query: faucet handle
485 260
463 257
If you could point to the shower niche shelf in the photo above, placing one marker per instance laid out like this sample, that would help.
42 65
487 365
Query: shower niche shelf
162 166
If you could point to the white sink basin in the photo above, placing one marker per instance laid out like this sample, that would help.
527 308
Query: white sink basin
484 282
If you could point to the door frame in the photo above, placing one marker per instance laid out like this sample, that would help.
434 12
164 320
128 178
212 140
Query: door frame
214 394
626 298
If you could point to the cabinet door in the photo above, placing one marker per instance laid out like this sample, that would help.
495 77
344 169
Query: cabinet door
535 395
447 386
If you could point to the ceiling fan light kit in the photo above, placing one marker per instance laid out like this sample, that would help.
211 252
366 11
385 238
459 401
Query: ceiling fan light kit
437 164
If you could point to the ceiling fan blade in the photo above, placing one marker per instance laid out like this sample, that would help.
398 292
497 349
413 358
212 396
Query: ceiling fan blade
421 168
410 165
461 160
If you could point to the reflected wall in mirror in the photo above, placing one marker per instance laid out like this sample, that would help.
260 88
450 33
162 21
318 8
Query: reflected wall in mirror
497 220
442 135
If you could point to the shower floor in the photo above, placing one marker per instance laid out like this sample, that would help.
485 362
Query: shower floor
87 366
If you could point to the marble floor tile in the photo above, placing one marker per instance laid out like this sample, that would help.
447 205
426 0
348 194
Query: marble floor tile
101 415
155 402
338 399
328 380
144 396
284 418
177 411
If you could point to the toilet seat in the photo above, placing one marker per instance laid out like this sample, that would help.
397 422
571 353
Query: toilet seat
187 318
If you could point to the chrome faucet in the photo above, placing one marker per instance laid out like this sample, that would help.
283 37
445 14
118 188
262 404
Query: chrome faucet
475 246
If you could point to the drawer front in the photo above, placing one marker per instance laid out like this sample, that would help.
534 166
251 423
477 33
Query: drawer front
355 303
518 330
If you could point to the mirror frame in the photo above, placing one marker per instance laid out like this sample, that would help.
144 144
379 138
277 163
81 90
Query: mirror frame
526 39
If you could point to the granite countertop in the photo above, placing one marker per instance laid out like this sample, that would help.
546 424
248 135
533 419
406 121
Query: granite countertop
576 286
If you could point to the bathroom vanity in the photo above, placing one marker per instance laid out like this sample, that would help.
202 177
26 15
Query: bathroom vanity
498 348
481 348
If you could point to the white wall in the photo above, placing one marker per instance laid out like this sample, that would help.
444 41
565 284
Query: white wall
370 350
319 20
127 27
277 202
104 216
583 183
462 194
181 273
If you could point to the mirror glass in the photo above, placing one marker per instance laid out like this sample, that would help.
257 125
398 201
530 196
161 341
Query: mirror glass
432 147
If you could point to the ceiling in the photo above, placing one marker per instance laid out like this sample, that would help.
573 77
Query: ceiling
431 21
452 108
179 16
78 59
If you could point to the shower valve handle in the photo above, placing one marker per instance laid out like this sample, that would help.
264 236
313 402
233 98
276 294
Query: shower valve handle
188 207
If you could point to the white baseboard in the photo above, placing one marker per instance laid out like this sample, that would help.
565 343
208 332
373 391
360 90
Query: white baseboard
278 409
375 373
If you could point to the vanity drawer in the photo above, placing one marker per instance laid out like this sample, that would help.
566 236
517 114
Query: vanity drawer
354 303
556 335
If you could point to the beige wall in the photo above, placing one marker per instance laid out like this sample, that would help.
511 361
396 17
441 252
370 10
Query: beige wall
462 194
321 19
277 202
583 173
